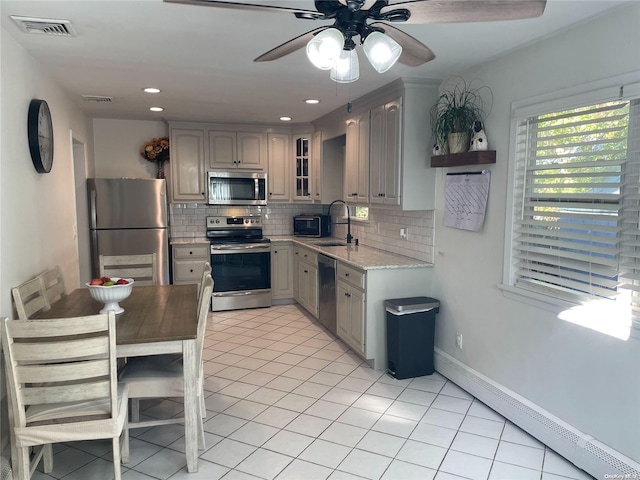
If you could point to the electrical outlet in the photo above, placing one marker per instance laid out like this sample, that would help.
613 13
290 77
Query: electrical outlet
459 340
404 233
193 220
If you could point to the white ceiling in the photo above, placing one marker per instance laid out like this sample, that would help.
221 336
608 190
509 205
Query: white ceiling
202 57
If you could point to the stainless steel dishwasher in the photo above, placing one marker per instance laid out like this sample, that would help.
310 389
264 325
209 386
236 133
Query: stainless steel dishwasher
327 309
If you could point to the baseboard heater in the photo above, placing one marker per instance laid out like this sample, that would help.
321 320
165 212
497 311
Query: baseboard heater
579 448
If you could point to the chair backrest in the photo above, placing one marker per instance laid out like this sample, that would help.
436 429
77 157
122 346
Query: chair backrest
30 297
54 284
206 270
142 268
66 361
203 314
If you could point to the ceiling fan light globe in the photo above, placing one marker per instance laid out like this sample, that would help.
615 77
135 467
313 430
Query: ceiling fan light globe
324 49
381 50
346 68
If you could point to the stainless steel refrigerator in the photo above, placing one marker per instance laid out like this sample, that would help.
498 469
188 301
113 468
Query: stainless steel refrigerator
128 217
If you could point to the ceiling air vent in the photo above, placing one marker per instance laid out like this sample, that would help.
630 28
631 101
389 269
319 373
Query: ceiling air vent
97 98
45 26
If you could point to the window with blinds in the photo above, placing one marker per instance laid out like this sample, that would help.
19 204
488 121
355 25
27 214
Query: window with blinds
570 202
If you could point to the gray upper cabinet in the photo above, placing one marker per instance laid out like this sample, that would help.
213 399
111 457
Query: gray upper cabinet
278 176
356 176
237 150
388 145
187 165
385 153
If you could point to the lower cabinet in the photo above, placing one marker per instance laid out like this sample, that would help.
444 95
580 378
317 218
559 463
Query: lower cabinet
281 271
306 279
351 306
188 261
351 326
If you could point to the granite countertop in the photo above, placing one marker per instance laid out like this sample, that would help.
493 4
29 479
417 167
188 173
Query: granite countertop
362 257
189 241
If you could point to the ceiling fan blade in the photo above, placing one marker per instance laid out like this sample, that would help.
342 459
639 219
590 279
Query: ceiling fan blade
249 6
414 52
461 11
290 46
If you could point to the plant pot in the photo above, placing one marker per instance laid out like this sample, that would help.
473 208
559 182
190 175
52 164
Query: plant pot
458 142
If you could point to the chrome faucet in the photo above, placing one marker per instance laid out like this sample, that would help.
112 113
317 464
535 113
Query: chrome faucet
349 236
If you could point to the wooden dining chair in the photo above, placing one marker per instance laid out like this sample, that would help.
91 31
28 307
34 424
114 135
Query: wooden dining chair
161 376
53 284
142 268
206 270
30 298
62 387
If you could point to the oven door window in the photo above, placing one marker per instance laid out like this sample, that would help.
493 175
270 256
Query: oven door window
241 271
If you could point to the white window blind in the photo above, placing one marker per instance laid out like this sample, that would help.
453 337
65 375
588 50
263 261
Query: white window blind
568 198
630 256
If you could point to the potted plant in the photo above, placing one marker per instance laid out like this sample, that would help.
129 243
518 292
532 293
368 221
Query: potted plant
452 117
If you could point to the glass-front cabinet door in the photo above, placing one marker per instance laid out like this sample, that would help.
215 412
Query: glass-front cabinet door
302 166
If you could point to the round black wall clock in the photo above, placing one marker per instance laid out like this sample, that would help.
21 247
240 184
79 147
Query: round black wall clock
40 131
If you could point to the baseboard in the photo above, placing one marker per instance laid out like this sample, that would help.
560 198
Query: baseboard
579 448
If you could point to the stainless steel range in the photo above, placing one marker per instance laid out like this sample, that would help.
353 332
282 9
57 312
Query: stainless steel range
240 263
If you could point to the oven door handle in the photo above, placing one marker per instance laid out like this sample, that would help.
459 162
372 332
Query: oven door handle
236 248
234 294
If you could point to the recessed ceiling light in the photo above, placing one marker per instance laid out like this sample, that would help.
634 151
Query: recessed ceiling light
285 119
156 109
311 101
151 90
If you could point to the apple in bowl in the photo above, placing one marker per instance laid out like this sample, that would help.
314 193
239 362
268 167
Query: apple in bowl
110 291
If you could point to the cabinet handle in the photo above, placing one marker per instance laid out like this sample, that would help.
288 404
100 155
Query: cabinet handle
306 271
190 253
346 274
191 270
354 194
275 251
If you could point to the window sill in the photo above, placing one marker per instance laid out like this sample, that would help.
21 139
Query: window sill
535 299
561 307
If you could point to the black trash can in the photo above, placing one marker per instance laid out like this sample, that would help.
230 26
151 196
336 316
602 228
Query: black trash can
410 336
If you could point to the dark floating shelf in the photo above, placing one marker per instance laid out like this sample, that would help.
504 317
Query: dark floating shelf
465 158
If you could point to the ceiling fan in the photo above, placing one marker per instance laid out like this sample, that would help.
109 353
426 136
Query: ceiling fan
332 47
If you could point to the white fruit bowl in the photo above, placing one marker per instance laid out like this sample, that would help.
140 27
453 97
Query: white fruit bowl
111 295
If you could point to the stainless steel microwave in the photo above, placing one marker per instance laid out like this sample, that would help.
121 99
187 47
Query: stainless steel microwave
311 225
237 188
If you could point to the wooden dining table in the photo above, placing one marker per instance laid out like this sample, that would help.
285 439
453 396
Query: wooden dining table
156 320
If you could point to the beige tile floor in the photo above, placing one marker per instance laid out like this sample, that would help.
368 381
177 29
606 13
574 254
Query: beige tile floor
286 400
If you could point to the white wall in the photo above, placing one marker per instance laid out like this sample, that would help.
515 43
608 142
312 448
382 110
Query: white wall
585 378
38 211
117 145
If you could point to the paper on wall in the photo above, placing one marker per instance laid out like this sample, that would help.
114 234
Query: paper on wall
466 200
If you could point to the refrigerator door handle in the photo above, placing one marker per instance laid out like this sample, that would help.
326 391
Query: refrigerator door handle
94 253
92 208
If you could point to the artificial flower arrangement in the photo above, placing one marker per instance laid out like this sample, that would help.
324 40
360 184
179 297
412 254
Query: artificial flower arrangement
156 150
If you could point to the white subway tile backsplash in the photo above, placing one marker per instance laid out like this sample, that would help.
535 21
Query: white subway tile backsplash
382 231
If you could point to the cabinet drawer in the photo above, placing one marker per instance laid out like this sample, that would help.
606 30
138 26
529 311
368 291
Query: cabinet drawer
351 275
187 272
305 255
191 252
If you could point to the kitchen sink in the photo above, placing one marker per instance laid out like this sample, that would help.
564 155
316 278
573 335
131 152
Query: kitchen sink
329 243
